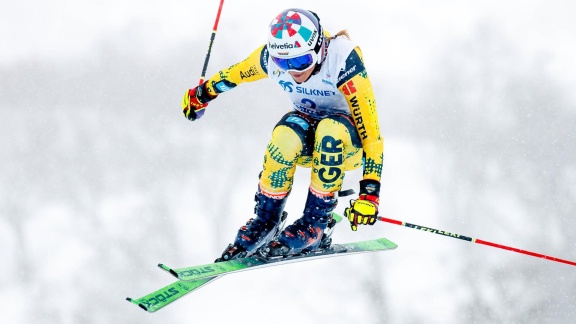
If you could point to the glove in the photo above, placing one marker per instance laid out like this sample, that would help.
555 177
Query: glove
363 211
195 101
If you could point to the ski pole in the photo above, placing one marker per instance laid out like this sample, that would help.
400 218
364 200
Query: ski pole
214 29
474 240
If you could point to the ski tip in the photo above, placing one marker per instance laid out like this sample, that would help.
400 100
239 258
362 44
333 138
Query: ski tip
167 269
135 302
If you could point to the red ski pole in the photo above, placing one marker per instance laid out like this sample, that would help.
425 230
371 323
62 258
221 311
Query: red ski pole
474 240
214 29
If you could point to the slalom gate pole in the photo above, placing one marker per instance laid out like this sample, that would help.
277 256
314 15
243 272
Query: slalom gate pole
214 29
474 240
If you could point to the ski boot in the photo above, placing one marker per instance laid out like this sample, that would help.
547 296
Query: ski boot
310 232
258 231
326 240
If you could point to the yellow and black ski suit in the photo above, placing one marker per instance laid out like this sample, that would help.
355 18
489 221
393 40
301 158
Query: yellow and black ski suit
332 126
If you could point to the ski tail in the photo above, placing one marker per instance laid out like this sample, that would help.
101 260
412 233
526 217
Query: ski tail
168 269
168 294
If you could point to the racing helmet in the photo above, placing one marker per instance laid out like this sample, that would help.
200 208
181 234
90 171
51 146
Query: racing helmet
296 40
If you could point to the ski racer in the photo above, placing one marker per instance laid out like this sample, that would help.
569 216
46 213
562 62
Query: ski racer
332 127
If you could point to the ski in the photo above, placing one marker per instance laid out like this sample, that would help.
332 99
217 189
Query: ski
168 294
226 267
172 292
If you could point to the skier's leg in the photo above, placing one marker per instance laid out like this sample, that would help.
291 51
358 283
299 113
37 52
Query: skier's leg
337 148
282 153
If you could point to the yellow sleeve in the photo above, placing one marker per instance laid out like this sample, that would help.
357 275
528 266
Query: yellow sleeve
253 68
357 89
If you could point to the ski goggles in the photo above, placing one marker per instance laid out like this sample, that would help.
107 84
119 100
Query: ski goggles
298 63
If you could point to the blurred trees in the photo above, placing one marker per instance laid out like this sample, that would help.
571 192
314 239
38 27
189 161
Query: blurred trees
505 130
102 177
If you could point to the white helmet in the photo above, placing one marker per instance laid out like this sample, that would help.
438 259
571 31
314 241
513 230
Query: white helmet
296 40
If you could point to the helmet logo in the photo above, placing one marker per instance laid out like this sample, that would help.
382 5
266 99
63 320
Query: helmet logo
295 32
291 24
311 40
285 45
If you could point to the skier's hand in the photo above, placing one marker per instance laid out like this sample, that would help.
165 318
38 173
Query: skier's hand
363 211
195 101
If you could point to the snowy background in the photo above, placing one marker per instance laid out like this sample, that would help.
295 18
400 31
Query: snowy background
101 177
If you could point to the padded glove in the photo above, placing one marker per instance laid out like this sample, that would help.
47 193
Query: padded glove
195 101
363 211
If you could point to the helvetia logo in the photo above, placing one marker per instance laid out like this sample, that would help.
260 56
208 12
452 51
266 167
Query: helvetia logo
284 46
